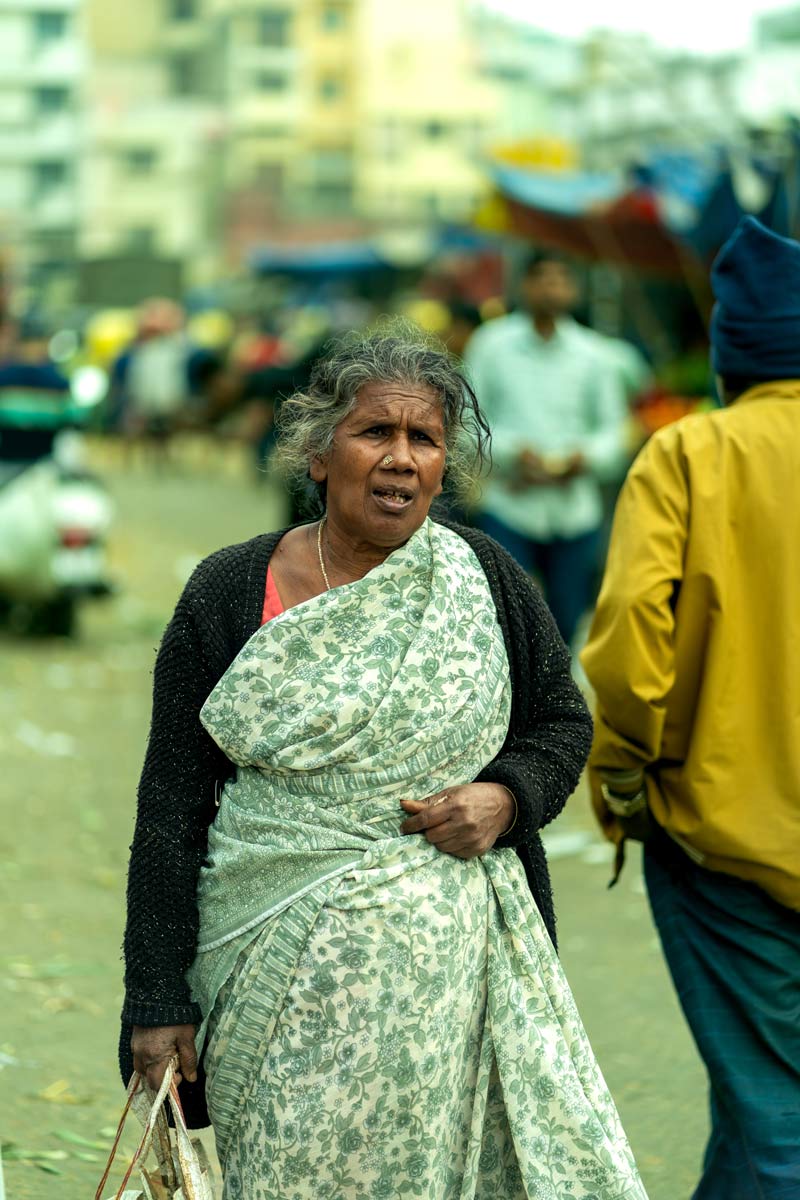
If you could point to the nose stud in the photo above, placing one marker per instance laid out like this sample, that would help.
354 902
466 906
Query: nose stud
387 461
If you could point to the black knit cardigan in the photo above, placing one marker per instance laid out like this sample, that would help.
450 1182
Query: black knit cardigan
220 609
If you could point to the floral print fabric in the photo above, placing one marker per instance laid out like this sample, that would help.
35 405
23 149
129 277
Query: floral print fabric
395 1022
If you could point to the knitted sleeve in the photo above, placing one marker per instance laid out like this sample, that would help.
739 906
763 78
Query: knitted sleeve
175 808
550 732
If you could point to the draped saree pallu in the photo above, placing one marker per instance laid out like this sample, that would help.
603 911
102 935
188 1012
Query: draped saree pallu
383 1019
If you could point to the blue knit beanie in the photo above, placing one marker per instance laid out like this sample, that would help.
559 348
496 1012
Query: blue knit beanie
755 326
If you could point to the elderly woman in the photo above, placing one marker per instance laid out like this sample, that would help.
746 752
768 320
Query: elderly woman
360 726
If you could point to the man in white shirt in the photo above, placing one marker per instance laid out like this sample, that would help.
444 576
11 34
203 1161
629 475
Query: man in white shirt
557 410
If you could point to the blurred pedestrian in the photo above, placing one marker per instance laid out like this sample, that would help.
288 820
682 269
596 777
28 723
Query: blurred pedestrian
162 382
464 319
35 400
557 411
263 392
694 655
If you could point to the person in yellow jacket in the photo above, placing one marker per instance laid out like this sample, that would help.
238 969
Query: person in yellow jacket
694 656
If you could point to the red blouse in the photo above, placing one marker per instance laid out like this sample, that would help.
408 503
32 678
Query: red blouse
273 606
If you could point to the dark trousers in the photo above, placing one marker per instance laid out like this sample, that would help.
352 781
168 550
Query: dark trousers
567 568
734 957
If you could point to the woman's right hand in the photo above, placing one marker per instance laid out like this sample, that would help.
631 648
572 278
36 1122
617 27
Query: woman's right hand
154 1046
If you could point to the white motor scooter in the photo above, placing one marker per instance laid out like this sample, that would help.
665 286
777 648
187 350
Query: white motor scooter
54 520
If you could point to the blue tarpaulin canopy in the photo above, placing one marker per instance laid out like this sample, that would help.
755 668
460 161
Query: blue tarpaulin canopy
343 257
570 194
325 259
676 205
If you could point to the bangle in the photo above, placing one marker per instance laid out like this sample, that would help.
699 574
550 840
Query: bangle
624 806
516 812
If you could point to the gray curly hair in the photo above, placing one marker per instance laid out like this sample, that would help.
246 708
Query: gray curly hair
395 351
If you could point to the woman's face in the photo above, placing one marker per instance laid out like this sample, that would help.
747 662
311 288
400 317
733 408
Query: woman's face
377 504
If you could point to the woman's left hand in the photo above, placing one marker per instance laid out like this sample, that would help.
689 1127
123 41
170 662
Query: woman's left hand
465 821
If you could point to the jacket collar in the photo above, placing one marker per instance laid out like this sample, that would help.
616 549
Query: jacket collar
778 389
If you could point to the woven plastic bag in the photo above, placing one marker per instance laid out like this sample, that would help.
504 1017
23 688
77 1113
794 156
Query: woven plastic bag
182 1171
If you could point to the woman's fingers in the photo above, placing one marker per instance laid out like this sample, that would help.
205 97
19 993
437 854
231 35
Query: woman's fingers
154 1047
462 844
457 847
426 813
446 824
155 1071
463 821
188 1057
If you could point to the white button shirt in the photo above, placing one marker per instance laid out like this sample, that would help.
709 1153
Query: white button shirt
559 396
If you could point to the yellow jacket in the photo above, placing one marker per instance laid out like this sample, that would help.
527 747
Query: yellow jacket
694 652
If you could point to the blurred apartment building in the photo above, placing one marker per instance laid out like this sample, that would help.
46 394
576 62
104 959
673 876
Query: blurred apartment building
532 74
627 95
213 125
770 83
40 136
151 162
158 144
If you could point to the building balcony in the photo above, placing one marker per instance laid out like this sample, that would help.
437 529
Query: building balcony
261 58
57 209
22 6
55 137
49 138
243 8
159 121
254 110
186 36
60 63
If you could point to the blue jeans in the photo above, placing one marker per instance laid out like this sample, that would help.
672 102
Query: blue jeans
734 957
567 568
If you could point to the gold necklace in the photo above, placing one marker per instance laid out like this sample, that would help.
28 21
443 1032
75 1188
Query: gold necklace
319 552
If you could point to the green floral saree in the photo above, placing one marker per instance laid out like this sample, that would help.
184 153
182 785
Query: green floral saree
384 1019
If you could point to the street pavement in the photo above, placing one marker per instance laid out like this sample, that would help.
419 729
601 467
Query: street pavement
73 723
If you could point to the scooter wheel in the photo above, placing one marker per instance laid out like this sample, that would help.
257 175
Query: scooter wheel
57 618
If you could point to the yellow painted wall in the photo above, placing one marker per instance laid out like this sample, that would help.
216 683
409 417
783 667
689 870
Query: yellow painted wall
418 68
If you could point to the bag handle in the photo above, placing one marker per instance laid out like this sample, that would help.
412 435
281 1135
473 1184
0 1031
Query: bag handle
133 1087
168 1086
190 1168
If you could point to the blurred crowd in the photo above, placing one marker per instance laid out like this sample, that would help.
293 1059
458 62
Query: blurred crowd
569 406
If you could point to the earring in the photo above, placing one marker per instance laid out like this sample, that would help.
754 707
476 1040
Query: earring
387 460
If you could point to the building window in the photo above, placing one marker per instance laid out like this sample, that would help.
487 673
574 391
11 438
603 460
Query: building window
141 240
273 27
49 27
271 81
333 18
477 136
332 166
183 75
334 199
183 10
51 99
330 89
389 140
431 204
56 245
268 177
48 177
139 160
435 130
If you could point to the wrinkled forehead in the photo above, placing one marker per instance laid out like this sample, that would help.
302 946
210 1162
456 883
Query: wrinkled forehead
403 401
